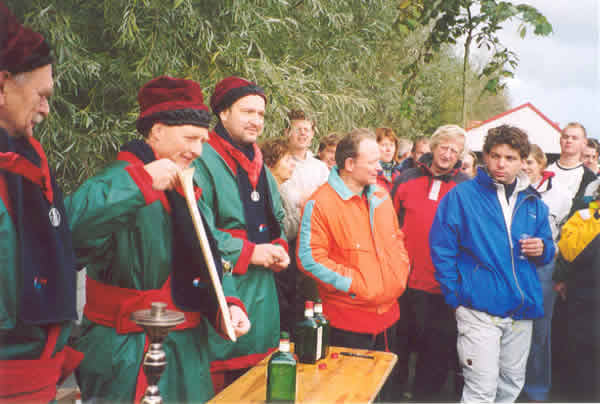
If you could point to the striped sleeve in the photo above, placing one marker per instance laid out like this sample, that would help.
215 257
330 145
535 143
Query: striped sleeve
313 254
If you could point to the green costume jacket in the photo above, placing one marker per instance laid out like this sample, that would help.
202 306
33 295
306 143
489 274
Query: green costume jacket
255 285
126 241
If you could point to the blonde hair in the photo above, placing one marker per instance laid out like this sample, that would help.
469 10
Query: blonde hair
448 132
575 125
539 155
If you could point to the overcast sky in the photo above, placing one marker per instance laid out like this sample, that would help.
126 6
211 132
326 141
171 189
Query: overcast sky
560 74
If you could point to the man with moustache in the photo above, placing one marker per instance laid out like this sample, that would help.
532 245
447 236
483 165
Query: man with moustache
487 238
37 262
248 216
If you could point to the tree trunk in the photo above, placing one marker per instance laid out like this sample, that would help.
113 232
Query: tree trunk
465 65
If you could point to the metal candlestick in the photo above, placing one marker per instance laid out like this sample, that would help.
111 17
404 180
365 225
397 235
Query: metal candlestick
156 323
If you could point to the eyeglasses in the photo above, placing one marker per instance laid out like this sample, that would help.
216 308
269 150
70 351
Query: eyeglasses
449 149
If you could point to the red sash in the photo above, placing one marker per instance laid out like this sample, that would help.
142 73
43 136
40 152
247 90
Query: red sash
112 306
35 380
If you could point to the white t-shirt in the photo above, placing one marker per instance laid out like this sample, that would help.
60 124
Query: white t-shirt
565 183
308 175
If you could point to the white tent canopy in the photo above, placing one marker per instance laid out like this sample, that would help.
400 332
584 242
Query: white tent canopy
541 130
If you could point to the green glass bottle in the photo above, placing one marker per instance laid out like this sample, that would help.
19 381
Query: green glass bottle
309 337
323 322
281 373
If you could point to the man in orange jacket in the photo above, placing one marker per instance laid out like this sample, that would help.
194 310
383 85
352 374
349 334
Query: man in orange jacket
351 244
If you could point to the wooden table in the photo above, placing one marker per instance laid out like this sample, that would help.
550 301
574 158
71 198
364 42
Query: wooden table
344 379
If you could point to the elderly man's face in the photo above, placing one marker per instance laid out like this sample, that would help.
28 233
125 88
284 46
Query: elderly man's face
24 100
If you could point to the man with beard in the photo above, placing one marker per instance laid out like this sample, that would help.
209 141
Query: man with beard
247 210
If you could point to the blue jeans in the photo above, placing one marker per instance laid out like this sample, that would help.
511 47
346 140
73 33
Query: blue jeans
539 366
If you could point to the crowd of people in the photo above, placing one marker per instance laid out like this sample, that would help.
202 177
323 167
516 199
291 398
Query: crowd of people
483 268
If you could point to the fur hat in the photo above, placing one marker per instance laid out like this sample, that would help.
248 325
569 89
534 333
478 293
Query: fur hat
21 49
173 102
231 89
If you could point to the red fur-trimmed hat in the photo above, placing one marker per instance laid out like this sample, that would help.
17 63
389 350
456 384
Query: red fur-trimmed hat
21 49
173 102
231 89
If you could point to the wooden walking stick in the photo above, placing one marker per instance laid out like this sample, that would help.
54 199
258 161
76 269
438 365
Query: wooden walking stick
186 178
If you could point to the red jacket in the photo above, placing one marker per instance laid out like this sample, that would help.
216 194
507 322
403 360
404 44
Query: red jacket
416 195
353 247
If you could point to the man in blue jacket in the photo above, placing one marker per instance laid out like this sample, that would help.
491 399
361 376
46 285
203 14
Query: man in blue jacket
487 238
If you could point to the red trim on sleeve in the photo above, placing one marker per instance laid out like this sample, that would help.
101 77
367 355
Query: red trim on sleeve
241 266
143 180
234 301
282 243
231 301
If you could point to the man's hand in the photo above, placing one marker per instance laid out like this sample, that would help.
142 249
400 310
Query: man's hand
561 289
532 247
240 321
270 256
163 173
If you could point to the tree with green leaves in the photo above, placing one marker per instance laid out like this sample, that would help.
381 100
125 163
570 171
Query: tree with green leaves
341 61
480 21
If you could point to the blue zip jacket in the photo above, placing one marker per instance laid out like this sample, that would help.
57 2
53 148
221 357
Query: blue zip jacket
476 251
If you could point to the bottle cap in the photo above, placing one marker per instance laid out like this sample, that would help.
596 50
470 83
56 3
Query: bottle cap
309 304
285 335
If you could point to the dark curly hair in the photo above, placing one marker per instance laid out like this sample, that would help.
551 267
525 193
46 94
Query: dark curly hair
508 135
273 150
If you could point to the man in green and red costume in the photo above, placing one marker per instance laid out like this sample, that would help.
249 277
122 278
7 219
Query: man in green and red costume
248 214
132 230
37 263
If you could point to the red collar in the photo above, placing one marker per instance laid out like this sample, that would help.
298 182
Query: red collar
234 157
17 164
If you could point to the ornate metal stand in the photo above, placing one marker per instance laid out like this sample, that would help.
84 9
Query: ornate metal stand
156 323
